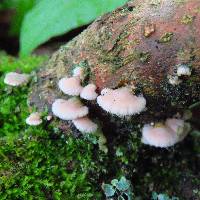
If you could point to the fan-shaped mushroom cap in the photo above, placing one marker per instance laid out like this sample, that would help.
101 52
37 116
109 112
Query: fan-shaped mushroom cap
121 102
69 109
85 125
88 92
80 72
71 86
16 79
183 70
34 119
166 135
158 136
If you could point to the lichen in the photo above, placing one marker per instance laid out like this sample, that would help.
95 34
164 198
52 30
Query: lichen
187 19
167 37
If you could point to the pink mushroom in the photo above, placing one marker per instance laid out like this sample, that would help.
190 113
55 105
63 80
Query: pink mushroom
16 79
34 119
165 135
85 125
69 109
71 86
89 93
79 72
121 102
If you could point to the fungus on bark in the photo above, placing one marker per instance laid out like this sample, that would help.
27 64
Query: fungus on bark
79 72
85 125
71 86
121 102
89 92
165 135
69 109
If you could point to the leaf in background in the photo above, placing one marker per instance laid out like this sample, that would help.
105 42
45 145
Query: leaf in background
54 17
108 189
123 184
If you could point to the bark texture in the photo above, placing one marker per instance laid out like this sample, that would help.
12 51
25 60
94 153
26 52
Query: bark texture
140 45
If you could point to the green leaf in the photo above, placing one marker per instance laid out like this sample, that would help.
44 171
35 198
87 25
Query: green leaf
52 18
123 184
108 190
114 182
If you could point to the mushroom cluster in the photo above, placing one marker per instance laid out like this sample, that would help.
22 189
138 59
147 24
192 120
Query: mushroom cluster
181 70
120 102
73 109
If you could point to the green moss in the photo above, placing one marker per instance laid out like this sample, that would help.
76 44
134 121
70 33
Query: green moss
167 37
187 19
13 100
44 164
144 56
26 64
39 162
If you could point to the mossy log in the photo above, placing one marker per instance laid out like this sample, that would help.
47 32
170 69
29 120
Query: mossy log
139 45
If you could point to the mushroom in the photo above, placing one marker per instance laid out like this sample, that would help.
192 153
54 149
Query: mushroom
183 70
174 80
71 86
85 125
69 109
34 119
121 102
49 117
88 92
79 72
165 135
16 79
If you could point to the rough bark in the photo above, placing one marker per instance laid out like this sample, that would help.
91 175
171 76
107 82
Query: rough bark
140 45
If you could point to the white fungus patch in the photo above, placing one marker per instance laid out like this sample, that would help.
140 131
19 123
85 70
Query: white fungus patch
174 80
16 79
69 109
121 102
165 135
89 92
34 119
71 86
183 70
49 117
79 72
85 125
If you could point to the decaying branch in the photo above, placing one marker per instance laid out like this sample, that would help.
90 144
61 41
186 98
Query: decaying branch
151 46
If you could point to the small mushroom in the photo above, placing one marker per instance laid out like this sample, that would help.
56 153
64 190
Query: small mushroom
71 86
34 119
69 109
121 102
85 125
49 117
165 135
16 79
79 72
174 80
183 70
89 93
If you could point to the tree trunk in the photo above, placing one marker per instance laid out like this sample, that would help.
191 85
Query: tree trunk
140 45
